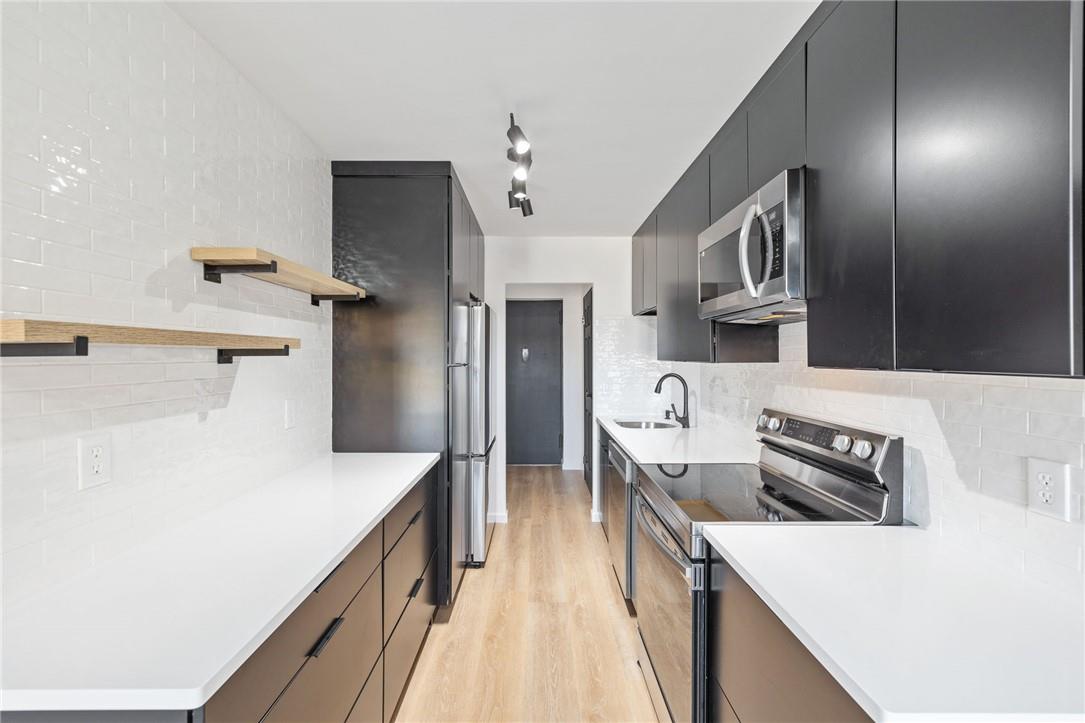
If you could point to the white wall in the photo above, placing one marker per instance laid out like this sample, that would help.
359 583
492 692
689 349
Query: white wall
966 441
128 139
625 368
572 360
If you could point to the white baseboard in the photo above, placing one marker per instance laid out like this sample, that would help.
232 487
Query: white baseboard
500 518
596 516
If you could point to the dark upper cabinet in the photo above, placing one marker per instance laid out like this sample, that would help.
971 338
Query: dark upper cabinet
477 254
777 124
644 268
727 158
680 334
849 188
988 235
460 243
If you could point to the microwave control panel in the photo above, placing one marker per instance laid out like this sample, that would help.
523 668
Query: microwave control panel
774 217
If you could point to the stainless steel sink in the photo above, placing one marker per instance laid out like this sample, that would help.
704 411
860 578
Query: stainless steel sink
631 424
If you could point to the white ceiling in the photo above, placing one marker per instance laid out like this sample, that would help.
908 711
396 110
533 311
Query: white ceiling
616 98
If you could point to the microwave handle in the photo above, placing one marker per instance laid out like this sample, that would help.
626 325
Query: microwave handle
744 249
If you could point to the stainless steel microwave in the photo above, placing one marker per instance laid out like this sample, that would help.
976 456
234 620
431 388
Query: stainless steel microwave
750 267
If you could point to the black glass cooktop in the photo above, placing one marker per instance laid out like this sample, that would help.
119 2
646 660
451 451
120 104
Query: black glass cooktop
739 493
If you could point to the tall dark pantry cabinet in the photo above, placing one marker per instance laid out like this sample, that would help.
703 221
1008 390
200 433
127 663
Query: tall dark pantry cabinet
405 232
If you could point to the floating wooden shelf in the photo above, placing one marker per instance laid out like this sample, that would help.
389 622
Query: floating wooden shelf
266 266
39 337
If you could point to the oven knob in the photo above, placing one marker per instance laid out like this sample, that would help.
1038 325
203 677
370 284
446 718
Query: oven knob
762 420
842 443
863 449
773 424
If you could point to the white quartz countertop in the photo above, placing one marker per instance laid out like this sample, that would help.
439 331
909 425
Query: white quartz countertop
914 626
164 625
714 444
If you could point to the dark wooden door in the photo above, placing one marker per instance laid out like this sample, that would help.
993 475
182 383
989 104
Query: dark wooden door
988 235
589 418
849 186
777 124
533 406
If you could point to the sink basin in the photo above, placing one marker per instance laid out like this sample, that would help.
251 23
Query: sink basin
630 424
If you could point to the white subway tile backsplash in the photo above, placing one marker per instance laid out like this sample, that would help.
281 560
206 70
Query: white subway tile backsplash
109 176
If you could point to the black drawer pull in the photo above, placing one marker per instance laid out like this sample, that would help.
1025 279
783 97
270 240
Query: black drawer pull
329 577
416 587
416 516
325 638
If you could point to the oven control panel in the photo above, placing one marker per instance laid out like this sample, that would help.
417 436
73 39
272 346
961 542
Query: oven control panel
815 434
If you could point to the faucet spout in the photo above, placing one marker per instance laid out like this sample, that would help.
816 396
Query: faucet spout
682 418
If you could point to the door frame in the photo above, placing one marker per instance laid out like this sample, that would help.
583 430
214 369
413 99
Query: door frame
561 380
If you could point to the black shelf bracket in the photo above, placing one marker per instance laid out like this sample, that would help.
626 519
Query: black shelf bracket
214 272
317 298
78 346
226 356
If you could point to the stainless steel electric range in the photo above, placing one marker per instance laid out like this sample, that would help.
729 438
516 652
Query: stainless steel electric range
809 472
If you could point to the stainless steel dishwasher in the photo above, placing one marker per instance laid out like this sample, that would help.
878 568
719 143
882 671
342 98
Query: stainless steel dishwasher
670 613
618 499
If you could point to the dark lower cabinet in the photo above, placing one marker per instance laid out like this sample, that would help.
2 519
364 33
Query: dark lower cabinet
252 689
410 631
988 229
849 187
777 123
325 689
368 708
761 670
348 648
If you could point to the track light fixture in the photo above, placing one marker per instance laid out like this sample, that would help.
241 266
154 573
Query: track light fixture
519 141
520 155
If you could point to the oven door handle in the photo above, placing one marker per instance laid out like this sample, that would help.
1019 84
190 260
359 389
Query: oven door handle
668 549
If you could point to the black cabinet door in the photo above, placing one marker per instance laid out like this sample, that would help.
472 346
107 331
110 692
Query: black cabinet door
648 288
849 186
728 180
644 267
777 124
460 241
680 334
476 253
988 262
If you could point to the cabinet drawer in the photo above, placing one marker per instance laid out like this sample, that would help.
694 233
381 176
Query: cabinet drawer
248 694
718 707
399 519
368 707
746 639
328 684
402 569
403 647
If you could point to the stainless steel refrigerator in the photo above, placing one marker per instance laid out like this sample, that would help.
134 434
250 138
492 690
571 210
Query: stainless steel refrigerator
471 439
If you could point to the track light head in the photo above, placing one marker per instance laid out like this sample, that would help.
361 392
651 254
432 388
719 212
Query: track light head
519 141
514 202
523 165
525 207
519 189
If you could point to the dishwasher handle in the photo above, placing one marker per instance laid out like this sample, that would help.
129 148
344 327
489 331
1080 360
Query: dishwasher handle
618 461
663 539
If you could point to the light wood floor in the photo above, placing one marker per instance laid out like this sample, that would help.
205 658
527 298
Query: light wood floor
541 633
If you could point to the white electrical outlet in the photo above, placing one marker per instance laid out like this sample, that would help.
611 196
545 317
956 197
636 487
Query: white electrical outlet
290 418
1049 488
95 460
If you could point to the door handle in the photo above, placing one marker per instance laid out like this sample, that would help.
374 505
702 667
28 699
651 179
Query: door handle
525 353
744 250
325 638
